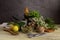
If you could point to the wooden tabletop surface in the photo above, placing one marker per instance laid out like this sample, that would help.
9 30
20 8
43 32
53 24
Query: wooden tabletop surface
48 36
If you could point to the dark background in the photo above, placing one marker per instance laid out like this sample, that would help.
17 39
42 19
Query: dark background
47 8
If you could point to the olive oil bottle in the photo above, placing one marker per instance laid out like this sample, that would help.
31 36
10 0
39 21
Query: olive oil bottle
26 13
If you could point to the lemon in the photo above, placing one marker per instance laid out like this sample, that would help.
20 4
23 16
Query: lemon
15 28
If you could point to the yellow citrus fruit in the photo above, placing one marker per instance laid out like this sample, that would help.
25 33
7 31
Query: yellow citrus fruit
15 28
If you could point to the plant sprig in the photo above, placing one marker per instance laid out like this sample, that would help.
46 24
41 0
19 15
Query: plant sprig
34 13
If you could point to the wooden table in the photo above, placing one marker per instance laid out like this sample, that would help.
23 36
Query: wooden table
48 36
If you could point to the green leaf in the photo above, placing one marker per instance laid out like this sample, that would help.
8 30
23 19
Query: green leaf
49 21
21 23
34 13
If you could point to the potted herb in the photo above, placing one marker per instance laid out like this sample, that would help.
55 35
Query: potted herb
35 15
51 26
40 28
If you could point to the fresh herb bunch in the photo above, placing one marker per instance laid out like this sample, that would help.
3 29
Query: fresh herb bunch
50 23
21 24
52 26
34 13
36 16
40 21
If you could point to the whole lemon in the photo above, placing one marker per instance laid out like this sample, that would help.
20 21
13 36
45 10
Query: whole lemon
15 28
